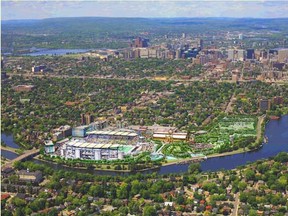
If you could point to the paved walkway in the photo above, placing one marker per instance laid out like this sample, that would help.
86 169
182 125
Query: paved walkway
236 205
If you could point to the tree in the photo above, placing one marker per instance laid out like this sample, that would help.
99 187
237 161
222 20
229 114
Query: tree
18 202
252 212
211 187
123 210
282 157
194 168
134 207
249 174
242 185
135 187
96 190
6 213
123 191
180 200
19 212
149 211
28 211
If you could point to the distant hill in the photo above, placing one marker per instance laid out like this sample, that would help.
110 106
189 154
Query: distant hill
73 23
95 32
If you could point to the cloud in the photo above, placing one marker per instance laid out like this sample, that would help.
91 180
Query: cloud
39 9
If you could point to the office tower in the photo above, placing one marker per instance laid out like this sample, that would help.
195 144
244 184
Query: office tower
140 42
241 55
200 44
282 55
240 36
2 62
250 54
231 54
263 54
178 53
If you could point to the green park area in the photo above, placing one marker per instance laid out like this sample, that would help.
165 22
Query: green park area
230 131
177 150
227 133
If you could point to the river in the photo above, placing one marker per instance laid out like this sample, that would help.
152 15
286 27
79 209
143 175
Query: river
8 139
56 52
8 154
276 131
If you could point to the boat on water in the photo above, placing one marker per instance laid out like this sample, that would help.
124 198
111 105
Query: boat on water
274 117
265 139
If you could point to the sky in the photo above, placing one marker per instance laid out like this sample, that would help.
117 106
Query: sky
40 9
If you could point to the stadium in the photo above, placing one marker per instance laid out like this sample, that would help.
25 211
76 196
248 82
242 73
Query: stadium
105 144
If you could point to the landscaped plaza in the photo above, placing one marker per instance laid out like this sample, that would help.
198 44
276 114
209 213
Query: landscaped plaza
229 130
224 134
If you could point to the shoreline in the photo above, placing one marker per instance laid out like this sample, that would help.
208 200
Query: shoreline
188 160
259 134
182 161
95 168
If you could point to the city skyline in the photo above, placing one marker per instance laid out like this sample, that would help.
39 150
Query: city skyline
16 10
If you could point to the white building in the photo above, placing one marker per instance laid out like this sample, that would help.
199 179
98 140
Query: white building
99 145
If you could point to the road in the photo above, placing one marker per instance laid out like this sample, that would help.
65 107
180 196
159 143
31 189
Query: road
258 130
236 205
194 79
104 78
7 148
21 157
229 105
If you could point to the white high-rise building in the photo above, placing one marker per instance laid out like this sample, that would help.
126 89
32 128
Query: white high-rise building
240 36
231 54
283 55
241 55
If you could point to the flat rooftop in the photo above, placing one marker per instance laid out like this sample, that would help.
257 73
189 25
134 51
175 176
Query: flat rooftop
112 133
83 144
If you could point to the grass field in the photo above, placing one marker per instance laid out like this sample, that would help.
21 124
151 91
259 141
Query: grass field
125 149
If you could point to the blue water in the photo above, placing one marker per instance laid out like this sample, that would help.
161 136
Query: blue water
56 52
9 155
277 133
9 140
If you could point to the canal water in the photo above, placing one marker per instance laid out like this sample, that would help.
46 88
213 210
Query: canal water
9 140
9 155
275 130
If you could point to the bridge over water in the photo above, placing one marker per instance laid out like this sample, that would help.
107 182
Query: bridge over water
27 155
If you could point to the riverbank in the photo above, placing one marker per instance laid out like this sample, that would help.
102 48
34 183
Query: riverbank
8 148
77 167
259 135
94 168
275 130
176 162
187 160
165 164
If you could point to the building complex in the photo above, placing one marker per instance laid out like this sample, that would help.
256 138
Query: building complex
105 144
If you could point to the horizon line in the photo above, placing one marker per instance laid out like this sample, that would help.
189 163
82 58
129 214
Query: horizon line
128 17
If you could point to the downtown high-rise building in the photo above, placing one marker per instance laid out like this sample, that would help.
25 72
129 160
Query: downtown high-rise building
250 54
283 55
